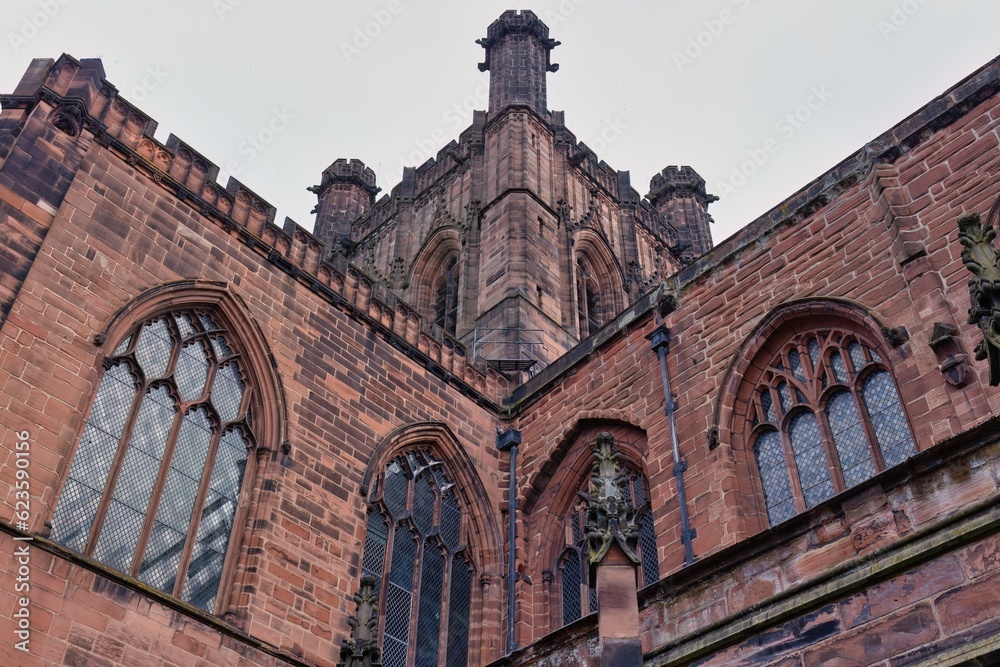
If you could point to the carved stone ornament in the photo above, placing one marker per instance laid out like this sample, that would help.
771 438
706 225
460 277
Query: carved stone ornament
361 650
947 346
610 516
68 118
981 258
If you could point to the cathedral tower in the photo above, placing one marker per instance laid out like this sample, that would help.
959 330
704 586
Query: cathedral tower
516 239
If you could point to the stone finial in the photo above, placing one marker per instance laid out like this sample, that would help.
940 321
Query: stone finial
981 258
611 518
361 650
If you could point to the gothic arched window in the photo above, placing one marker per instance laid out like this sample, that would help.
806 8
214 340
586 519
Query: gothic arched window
154 484
578 599
446 297
416 548
824 416
588 300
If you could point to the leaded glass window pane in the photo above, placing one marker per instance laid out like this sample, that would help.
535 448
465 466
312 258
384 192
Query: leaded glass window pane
785 396
177 502
888 420
413 485
647 547
154 348
429 615
837 431
395 489
88 474
185 325
839 369
795 363
399 597
767 405
192 370
113 402
857 356
451 521
423 504
144 515
207 322
774 477
572 578
810 459
222 350
814 353
227 392
849 437
133 490
122 347
376 536
577 529
459 600
75 514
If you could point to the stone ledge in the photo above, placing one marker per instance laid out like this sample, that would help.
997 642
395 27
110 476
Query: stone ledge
852 576
153 594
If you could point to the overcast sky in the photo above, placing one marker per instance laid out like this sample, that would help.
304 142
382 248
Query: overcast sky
759 96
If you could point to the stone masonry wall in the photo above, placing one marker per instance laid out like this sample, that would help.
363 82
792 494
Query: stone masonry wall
883 237
354 365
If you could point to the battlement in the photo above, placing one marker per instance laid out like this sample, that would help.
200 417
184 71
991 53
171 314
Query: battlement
518 55
351 171
517 22
679 182
74 96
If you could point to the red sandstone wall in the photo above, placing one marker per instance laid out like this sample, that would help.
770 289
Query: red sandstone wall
852 248
117 234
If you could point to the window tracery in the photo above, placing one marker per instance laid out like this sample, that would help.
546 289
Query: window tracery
154 483
825 416
416 548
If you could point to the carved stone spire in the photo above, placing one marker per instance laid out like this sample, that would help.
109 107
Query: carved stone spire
981 257
361 650
611 518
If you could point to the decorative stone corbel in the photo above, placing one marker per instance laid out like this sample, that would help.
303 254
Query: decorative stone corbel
954 363
361 650
896 336
667 301
981 258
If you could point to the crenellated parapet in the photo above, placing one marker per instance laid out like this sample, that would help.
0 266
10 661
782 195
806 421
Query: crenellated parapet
679 182
518 56
346 191
678 194
74 99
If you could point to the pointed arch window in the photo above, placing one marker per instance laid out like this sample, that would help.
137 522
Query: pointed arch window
416 548
446 297
153 487
824 416
588 301
579 599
